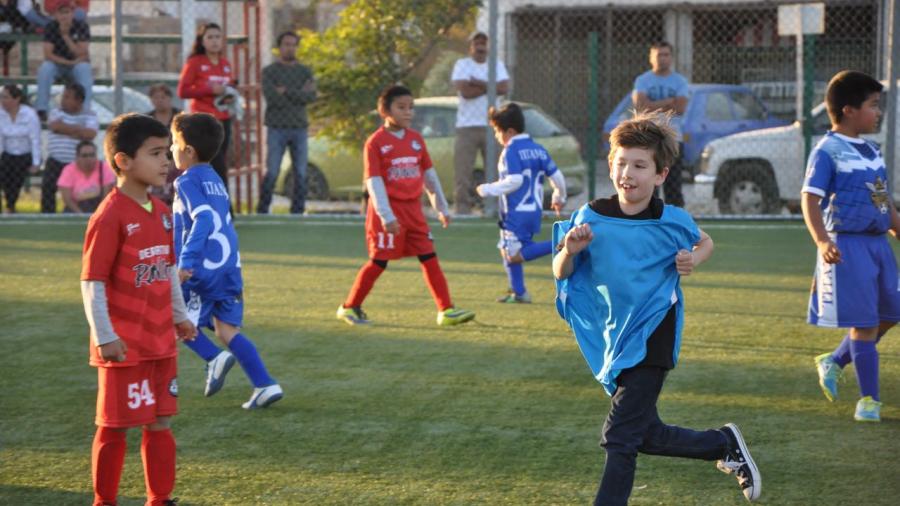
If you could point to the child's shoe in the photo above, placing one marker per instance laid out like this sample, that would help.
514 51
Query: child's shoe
512 298
737 460
264 397
453 316
352 315
216 369
868 410
829 374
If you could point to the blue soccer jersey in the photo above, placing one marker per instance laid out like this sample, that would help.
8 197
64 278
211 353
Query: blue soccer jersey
520 210
850 176
205 239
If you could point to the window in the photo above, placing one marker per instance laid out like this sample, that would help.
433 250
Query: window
434 121
746 106
717 107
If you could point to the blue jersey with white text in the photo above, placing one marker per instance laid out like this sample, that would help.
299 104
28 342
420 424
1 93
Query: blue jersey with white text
520 210
205 239
850 176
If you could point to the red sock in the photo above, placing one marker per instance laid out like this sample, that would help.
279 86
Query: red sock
107 459
437 283
158 455
365 280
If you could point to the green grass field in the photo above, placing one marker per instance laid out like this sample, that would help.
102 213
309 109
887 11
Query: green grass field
500 411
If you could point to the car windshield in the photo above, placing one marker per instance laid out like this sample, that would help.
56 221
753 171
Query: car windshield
131 102
538 124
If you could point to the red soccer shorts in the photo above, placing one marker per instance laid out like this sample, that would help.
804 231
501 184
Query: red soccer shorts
137 395
414 238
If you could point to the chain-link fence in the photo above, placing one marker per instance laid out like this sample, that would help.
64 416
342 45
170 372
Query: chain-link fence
742 152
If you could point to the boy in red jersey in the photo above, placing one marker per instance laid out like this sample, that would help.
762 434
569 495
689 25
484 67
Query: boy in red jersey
397 167
135 309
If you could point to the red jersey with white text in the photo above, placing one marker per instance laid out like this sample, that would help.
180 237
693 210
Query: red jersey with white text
401 163
130 250
197 79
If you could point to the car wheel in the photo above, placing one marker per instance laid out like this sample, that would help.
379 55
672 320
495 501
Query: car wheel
749 190
316 184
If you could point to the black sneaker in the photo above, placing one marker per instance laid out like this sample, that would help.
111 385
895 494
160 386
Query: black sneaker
171 502
737 460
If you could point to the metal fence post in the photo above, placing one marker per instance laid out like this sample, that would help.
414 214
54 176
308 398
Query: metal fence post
809 64
117 56
890 141
490 148
592 138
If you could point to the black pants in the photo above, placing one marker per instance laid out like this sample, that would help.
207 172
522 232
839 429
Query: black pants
219 162
52 169
633 426
671 187
13 169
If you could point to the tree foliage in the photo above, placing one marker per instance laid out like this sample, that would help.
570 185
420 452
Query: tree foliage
374 43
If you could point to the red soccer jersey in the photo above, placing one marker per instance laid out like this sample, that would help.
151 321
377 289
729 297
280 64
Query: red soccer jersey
401 163
130 250
197 79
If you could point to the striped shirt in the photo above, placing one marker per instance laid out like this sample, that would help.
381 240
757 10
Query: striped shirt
21 136
62 147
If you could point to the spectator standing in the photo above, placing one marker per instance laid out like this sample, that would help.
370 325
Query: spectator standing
20 141
288 86
163 111
65 55
68 125
470 76
31 11
205 76
661 89
84 182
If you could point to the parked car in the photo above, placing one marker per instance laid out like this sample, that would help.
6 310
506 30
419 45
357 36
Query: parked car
713 111
761 171
336 172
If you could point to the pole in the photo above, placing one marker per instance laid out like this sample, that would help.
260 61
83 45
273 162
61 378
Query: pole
592 138
117 56
809 74
490 150
890 141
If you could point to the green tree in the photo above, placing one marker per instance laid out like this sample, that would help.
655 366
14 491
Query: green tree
374 43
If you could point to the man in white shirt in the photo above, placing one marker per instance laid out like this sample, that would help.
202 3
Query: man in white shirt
470 76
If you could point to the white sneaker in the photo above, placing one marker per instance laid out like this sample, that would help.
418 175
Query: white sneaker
264 397
216 370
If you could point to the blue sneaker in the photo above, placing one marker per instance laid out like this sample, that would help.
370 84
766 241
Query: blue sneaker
868 410
216 370
829 374
264 397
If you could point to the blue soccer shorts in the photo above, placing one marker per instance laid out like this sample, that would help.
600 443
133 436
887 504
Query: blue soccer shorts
862 290
228 310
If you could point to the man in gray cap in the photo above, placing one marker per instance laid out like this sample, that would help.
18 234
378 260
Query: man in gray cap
470 76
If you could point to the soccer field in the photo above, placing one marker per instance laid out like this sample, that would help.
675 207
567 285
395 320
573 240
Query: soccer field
500 411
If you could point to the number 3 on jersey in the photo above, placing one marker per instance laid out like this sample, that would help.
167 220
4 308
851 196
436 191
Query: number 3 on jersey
139 393
381 241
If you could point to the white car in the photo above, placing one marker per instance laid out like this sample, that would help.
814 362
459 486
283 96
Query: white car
760 171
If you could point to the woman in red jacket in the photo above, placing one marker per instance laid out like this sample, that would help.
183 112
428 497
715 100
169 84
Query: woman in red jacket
204 77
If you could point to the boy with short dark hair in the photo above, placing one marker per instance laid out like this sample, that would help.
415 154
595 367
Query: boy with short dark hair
135 309
848 209
397 169
209 263
618 266
523 166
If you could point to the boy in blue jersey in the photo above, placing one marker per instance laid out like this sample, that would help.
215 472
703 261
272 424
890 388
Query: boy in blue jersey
523 166
209 263
848 210
618 267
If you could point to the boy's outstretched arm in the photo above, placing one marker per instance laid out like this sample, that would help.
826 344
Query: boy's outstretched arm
436 196
558 183
504 186
812 215
381 202
686 261
573 243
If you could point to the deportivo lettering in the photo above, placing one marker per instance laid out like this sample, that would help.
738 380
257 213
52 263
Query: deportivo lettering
146 274
405 167
152 251
532 154
214 188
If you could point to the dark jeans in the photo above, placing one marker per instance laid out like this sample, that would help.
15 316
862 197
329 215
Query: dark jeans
219 161
13 169
671 187
279 139
52 169
633 426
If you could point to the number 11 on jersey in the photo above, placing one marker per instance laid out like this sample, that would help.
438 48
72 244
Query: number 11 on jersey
381 242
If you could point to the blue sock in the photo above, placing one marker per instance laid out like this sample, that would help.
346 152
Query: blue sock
865 359
842 356
516 275
250 361
201 345
536 250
